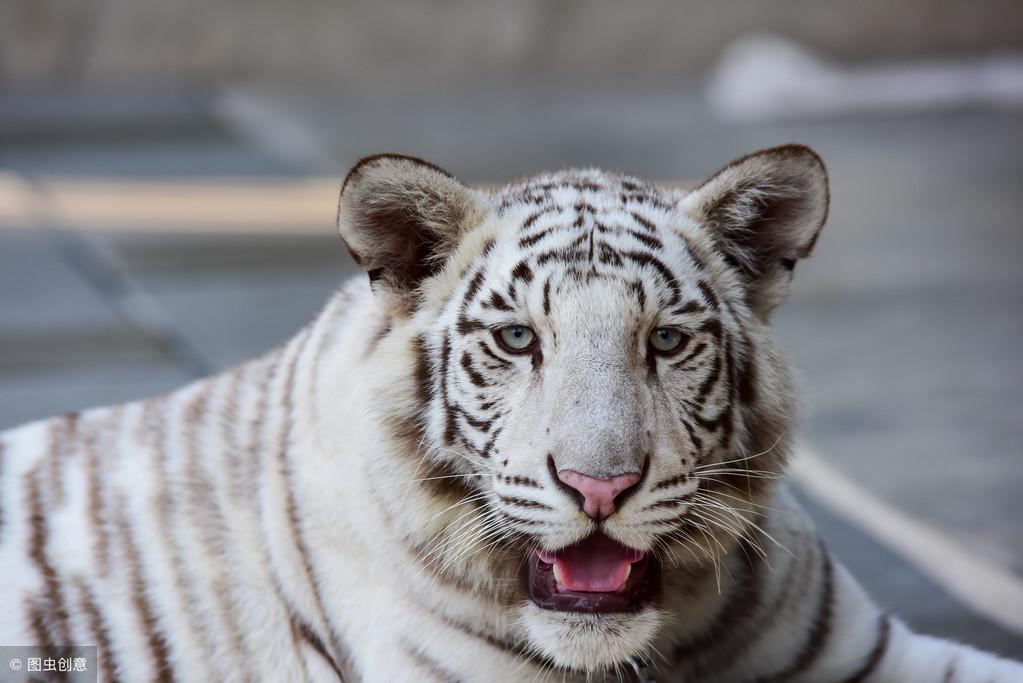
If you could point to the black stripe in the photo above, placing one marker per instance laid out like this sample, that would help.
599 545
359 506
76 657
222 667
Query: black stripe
174 502
671 481
485 452
519 481
305 632
208 519
52 608
742 603
157 641
689 307
287 398
424 371
467 325
431 667
474 287
711 380
747 379
36 612
696 351
609 255
637 287
566 256
535 216
726 419
712 326
530 240
497 301
502 362
644 198
474 375
669 503
697 441
884 627
951 669
651 242
821 628
98 628
450 426
646 259
522 272
708 294
647 224
518 520
511 649
524 503
479 425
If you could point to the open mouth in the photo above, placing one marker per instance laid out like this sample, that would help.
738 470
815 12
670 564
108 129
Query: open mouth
597 574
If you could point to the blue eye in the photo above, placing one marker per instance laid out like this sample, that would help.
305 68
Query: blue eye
667 340
515 338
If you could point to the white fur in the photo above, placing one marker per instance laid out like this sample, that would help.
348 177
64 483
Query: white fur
294 507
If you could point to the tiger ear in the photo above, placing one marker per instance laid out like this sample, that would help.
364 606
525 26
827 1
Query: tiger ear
400 217
765 212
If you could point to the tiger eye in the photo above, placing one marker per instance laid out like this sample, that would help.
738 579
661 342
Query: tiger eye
516 338
667 340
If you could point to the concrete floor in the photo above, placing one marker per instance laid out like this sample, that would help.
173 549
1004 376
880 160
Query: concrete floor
904 325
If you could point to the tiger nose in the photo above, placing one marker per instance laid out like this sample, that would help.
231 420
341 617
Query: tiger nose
598 495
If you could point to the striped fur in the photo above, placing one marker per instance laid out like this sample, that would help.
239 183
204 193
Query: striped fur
358 504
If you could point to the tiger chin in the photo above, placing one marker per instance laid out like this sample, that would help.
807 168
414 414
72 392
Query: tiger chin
539 439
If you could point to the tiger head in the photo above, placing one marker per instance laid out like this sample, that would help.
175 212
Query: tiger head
589 398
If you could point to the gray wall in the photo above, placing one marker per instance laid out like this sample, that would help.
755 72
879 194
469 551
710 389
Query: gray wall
132 41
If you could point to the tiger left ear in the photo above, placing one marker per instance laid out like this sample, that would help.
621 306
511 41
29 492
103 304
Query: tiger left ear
401 217
765 212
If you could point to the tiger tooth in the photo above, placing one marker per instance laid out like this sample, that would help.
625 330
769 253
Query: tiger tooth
628 570
558 578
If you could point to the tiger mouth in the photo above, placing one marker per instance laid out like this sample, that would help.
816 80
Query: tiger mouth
595 575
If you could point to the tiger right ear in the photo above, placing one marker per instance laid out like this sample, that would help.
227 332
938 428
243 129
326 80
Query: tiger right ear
764 211
400 217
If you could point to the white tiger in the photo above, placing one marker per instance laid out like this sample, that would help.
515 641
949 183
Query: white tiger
540 444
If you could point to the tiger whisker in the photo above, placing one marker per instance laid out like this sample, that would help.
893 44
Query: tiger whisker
450 543
739 535
752 474
742 459
463 456
744 501
446 534
755 526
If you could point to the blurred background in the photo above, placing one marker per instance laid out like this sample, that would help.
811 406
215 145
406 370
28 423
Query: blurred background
168 178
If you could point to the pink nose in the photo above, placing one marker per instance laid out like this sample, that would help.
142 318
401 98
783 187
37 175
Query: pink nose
598 494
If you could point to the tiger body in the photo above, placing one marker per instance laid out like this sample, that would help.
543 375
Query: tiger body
378 499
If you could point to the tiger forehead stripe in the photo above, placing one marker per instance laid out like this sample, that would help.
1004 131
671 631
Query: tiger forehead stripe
522 272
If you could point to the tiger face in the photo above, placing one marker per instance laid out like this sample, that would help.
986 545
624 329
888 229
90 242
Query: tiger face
593 367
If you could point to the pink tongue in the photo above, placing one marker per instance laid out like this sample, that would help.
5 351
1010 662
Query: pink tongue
594 565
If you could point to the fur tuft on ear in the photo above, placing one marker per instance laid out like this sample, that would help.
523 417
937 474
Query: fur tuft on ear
765 212
401 217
